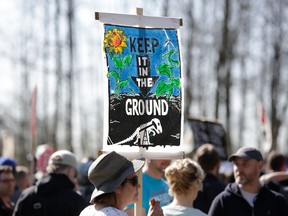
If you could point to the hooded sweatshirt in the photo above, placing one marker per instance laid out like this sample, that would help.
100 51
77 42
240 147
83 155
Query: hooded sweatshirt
53 195
231 203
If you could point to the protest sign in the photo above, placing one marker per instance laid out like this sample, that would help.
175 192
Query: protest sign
143 105
206 131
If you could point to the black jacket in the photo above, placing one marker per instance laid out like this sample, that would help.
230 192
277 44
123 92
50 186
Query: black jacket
4 211
280 187
211 188
53 195
231 203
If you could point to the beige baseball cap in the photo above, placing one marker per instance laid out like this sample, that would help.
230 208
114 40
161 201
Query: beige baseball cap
63 157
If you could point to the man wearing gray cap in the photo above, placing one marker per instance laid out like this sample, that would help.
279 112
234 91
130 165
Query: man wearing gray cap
54 192
247 196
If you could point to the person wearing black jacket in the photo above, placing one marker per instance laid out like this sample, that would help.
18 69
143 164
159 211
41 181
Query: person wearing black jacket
247 195
54 193
276 163
7 185
209 159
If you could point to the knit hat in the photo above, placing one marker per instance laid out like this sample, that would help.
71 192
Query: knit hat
8 162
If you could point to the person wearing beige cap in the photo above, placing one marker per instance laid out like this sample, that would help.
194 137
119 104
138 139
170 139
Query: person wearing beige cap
54 193
116 186
247 195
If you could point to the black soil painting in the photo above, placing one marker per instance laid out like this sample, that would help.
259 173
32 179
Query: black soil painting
122 126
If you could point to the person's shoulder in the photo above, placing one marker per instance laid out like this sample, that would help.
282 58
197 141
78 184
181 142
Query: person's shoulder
108 211
212 182
181 210
111 211
273 193
230 190
32 190
170 210
147 179
89 211
146 176
72 194
274 196
198 212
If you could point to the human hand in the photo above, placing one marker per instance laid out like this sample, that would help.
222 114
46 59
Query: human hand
155 208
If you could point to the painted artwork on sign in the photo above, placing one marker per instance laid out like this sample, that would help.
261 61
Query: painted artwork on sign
144 84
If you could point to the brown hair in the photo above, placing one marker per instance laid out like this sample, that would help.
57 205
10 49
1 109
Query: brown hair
107 197
275 161
208 157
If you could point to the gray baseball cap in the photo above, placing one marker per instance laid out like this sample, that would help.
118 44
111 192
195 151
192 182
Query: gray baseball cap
247 153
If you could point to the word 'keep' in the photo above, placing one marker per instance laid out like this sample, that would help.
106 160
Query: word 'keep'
143 45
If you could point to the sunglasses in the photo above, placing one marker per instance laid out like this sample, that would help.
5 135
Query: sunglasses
134 181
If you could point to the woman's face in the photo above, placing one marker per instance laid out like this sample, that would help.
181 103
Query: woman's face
127 193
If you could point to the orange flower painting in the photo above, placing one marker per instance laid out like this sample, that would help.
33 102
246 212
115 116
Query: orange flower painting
115 40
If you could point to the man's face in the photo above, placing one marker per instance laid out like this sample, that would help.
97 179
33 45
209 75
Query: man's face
246 171
160 165
7 184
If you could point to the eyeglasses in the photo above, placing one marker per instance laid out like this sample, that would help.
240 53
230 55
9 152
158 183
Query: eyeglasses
134 181
6 181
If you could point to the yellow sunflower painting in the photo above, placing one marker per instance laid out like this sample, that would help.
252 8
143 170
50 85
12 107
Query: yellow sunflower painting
115 40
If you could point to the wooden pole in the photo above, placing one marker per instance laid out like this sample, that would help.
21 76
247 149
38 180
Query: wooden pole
138 204
33 130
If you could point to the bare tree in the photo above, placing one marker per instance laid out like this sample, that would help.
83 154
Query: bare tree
223 69
46 47
166 6
243 52
26 66
70 76
188 55
278 110
58 74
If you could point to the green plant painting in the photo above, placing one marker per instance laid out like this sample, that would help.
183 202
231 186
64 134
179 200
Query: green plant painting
166 69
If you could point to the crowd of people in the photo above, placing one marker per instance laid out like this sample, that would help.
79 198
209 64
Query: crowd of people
109 185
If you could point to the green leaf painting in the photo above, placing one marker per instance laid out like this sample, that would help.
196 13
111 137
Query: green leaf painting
166 69
114 43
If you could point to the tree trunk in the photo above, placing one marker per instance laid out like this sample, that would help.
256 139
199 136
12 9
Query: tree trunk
58 75
278 105
45 57
276 67
188 66
166 7
70 77
223 70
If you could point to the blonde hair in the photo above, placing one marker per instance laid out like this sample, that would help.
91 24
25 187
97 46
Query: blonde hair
182 174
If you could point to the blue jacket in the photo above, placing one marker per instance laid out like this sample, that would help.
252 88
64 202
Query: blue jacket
231 203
